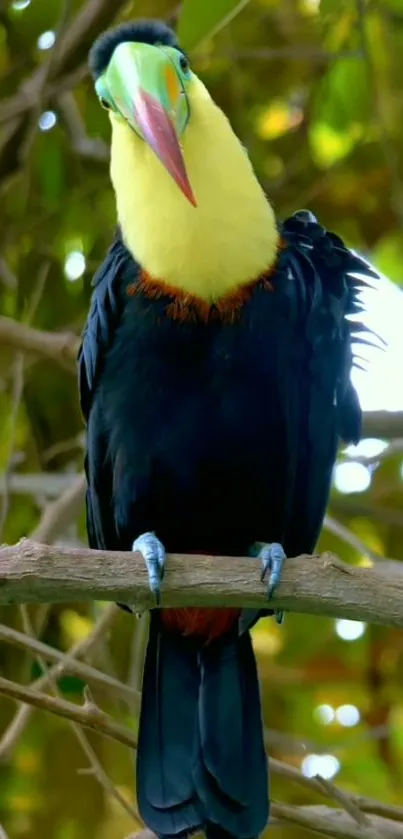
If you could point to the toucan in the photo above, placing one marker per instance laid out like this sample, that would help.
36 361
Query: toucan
214 380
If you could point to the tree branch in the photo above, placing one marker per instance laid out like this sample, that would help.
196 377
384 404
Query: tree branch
53 485
96 149
81 649
336 823
59 346
366 805
88 715
58 514
96 767
387 424
317 585
70 664
90 20
72 49
342 532
69 51
99 773
19 104
395 447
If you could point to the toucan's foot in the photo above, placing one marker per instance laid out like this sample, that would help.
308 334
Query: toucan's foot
272 557
154 557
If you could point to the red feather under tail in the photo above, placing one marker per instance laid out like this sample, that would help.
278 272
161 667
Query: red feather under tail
199 621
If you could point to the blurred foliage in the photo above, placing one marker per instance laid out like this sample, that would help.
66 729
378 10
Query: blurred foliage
314 89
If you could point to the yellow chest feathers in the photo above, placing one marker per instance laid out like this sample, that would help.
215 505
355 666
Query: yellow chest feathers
229 239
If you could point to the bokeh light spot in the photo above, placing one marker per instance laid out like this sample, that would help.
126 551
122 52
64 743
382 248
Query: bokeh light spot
47 120
20 5
74 265
348 715
352 477
349 630
325 765
46 40
324 714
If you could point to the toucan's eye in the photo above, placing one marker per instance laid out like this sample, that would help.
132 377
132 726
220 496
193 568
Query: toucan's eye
105 104
184 64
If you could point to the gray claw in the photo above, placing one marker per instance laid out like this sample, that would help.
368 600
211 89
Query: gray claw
154 557
272 557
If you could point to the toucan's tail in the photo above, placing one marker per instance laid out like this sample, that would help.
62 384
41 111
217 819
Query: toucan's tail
201 763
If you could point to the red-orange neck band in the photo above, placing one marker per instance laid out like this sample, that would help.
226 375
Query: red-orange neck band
184 306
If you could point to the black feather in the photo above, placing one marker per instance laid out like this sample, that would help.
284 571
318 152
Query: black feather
166 793
231 775
152 32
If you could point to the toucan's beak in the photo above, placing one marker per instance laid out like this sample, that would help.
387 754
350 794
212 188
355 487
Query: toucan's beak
158 130
149 93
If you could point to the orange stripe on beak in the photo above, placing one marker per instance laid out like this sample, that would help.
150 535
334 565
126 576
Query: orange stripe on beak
172 85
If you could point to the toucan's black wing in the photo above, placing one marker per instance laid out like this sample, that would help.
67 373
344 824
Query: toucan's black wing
332 277
324 279
110 284
317 284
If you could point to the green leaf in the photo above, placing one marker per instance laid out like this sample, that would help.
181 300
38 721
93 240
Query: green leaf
200 19
388 257
341 113
50 166
331 7
329 146
344 97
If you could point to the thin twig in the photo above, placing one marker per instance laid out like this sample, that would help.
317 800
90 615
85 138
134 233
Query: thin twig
64 447
336 823
19 104
44 484
368 805
72 49
95 149
370 510
58 346
88 715
96 766
28 642
346 535
58 515
346 801
79 650
101 776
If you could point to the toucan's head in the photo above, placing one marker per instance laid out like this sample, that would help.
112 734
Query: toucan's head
142 76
